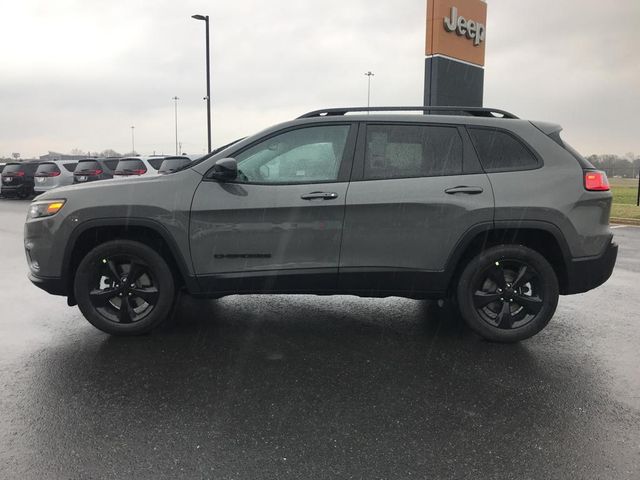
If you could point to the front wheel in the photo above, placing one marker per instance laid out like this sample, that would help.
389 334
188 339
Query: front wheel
124 287
508 293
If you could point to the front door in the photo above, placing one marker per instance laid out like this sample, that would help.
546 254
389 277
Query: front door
278 226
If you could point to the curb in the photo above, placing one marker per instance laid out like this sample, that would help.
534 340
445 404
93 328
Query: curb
625 221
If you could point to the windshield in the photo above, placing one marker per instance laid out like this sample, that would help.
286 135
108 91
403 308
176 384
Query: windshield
211 154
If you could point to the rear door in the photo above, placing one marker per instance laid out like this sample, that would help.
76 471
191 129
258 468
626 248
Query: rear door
417 189
278 226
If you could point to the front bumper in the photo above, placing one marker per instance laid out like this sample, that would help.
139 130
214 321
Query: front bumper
52 285
584 274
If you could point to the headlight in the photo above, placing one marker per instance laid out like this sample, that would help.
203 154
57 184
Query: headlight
45 208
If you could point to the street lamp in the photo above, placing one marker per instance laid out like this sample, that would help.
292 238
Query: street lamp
175 100
208 97
369 74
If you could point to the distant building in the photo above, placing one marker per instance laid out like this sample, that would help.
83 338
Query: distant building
60 156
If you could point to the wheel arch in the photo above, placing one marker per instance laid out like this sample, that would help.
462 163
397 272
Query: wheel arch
92 233
543 237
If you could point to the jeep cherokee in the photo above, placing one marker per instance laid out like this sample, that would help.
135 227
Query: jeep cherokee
469 204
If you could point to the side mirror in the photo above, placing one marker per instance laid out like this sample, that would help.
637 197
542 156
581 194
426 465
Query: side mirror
225 169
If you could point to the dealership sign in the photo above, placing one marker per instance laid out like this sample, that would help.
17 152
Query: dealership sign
473 30
457 29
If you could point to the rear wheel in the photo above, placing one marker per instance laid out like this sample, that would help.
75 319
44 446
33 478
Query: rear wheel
508 293
124 287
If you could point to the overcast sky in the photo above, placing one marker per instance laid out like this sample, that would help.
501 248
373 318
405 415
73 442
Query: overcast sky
80 73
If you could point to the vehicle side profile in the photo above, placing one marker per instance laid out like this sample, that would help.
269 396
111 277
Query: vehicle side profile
496 213
54 174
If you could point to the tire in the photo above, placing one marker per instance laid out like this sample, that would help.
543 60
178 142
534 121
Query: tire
124 271
507 293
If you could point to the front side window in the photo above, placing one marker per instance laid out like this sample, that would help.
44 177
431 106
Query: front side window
306 155
405 151
499 151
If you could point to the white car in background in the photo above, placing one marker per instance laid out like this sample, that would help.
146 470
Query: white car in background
53 174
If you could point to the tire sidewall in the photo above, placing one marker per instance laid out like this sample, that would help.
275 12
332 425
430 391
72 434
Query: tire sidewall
470 277
159 270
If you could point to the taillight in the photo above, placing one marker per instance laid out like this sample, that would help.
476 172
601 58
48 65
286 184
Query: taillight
596 181
47 174
89 173
137 171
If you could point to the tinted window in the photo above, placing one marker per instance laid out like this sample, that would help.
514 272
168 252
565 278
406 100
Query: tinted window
401 151
305 155
11 168
172 164
84 165
69 167
46 168
130 167
499 151
156 162
111 164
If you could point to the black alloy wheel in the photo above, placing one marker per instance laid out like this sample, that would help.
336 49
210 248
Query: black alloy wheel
507 293
124 287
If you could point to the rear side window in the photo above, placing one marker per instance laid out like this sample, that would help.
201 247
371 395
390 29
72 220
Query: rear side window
69 167
501 152
46 169
111 164
156 162
405 151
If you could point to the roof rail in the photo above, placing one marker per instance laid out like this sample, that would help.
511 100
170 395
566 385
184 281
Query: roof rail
452 110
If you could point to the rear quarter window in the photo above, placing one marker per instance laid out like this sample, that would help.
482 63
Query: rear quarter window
500 151
69 167
155 162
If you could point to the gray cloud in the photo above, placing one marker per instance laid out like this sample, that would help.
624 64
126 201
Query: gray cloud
81 72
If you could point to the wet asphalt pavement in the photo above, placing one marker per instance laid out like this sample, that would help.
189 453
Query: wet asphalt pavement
312 387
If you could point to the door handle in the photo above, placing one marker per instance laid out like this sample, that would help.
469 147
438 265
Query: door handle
319 196
464 189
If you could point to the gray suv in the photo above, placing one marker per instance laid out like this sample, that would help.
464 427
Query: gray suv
469 204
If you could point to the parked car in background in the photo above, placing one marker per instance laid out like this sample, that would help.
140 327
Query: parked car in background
138 166
17 179
172 164
56 173
94 169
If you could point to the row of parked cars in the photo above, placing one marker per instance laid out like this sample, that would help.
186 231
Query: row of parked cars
31 177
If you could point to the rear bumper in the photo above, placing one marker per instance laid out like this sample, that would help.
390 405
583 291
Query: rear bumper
52 285
585 274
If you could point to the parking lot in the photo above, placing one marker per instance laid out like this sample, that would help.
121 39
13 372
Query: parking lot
316 387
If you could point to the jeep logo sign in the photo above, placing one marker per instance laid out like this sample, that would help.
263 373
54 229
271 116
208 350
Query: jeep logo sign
472 30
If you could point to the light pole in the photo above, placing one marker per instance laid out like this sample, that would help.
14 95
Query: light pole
208 97
175 100
369 75
133 144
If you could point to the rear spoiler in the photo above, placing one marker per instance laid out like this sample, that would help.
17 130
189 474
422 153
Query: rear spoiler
547 128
